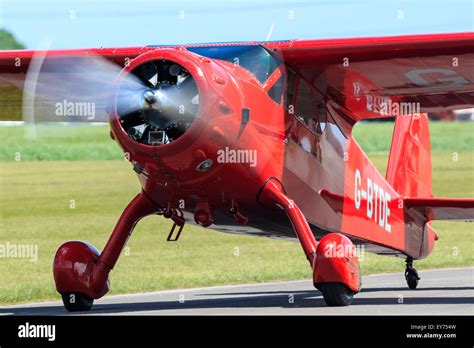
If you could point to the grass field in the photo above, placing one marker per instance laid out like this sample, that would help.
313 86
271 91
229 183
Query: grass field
82 164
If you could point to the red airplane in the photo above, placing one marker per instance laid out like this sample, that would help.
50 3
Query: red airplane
255 138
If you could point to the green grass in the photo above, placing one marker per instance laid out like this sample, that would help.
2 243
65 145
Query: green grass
52 142
86 142
35 209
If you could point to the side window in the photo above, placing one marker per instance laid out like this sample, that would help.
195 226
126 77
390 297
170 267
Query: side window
276 90
290 92
322 113
305 107
310 108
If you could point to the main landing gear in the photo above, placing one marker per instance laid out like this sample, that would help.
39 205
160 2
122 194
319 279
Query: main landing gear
411 274
81 273
335 265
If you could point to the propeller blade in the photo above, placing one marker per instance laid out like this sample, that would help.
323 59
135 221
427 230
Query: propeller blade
74 89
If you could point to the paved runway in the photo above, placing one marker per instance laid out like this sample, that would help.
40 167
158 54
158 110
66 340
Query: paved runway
440 292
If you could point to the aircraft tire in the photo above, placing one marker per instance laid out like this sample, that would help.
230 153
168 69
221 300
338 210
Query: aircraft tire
412 280
77 302
336 294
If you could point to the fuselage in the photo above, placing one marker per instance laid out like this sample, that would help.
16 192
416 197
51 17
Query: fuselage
271 123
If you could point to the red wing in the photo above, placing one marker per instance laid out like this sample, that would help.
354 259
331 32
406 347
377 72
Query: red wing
441 208
369 77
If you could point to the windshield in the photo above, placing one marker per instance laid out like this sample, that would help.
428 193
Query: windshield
255 59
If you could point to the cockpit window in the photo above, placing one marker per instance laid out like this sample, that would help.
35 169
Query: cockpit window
310 108
276 91
255 59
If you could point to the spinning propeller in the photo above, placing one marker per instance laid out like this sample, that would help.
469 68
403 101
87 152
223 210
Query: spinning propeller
164 109
156 102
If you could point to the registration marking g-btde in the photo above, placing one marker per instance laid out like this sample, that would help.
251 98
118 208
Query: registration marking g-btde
377 206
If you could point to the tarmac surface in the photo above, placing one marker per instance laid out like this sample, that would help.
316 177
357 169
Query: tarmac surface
439 292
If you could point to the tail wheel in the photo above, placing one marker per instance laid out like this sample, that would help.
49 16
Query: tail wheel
336 294
412 279
77 302
411 274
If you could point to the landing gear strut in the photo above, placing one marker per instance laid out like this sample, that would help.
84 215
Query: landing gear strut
335 266
81 272
411 274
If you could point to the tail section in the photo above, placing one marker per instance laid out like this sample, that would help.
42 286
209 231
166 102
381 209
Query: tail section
409 173
409 163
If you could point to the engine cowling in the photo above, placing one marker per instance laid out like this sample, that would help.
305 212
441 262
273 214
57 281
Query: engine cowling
182 97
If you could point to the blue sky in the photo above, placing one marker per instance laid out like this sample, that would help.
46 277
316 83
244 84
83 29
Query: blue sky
109 23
